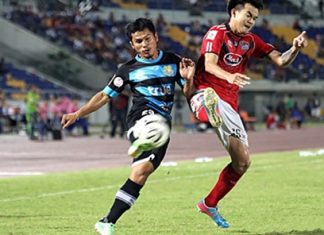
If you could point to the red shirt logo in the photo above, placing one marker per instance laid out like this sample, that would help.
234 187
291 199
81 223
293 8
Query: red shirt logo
232 59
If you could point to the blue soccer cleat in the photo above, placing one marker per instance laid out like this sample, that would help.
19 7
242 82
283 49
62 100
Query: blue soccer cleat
213 213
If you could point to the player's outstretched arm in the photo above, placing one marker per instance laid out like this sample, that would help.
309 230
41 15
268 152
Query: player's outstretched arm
187 71
96 102
286 58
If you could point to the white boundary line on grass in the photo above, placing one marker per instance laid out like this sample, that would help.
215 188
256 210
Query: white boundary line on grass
45 195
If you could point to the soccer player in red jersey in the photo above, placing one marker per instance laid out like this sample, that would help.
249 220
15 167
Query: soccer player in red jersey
220 70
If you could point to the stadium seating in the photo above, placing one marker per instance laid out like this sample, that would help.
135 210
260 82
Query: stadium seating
129 4
272 6
177 36
16 81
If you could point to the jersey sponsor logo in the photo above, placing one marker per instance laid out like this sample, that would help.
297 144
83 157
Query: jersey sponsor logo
118 81
232 59
211 35
244 45
161 91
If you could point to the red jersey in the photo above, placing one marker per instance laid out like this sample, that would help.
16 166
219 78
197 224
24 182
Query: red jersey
233 52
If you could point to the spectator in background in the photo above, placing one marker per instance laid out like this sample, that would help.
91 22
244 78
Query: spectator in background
2 95
2 111
56 113
2 66
161 25
178 104
32 100
296 116
315 107
265 24
320 7
289 101
271 118
70 106
118 108
296 25
43 121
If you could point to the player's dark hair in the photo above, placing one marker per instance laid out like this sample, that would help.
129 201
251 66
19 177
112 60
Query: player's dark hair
139 25
240 3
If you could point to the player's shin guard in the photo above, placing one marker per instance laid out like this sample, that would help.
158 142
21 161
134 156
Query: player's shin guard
125 199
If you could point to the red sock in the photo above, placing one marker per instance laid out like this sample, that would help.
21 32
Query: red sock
202 114
226 181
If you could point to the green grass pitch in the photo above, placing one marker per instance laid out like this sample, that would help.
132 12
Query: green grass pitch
281 194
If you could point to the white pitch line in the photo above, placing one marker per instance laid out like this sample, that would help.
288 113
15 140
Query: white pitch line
44 195
22 173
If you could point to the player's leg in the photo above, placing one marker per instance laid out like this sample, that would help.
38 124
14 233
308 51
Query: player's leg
130 191
142 168
231 174
240 156
234 138
228 178
125 197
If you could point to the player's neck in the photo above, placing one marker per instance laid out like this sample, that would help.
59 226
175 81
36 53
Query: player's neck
234 29
154 56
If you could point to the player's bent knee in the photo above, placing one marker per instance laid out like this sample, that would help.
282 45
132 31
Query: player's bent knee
241 166
140 174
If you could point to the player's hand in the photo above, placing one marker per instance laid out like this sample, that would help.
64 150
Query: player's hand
187 68
239 79
69 119
300 41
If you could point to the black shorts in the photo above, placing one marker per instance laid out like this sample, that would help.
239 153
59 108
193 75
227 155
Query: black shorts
155 155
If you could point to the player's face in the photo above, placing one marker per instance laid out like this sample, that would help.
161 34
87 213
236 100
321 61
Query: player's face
145 44
243 20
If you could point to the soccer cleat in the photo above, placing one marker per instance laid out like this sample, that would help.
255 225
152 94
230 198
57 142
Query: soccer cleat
213 213
105 228
139 146
211 106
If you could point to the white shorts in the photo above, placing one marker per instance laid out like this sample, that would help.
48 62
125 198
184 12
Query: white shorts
232 123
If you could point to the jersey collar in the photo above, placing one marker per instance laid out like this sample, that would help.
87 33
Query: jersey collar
147 61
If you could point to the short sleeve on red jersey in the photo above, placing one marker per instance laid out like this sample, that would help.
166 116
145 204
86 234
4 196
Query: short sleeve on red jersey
213 40
262 48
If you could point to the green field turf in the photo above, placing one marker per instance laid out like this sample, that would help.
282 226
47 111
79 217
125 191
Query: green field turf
282 194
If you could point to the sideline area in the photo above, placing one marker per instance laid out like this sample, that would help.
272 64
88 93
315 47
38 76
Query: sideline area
20 155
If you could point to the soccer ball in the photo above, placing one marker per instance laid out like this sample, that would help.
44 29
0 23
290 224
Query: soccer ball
152 128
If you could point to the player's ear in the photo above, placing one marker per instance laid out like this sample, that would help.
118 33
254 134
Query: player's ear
131 43
233 12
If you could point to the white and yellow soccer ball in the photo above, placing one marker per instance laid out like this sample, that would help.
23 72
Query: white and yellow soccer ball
153 129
